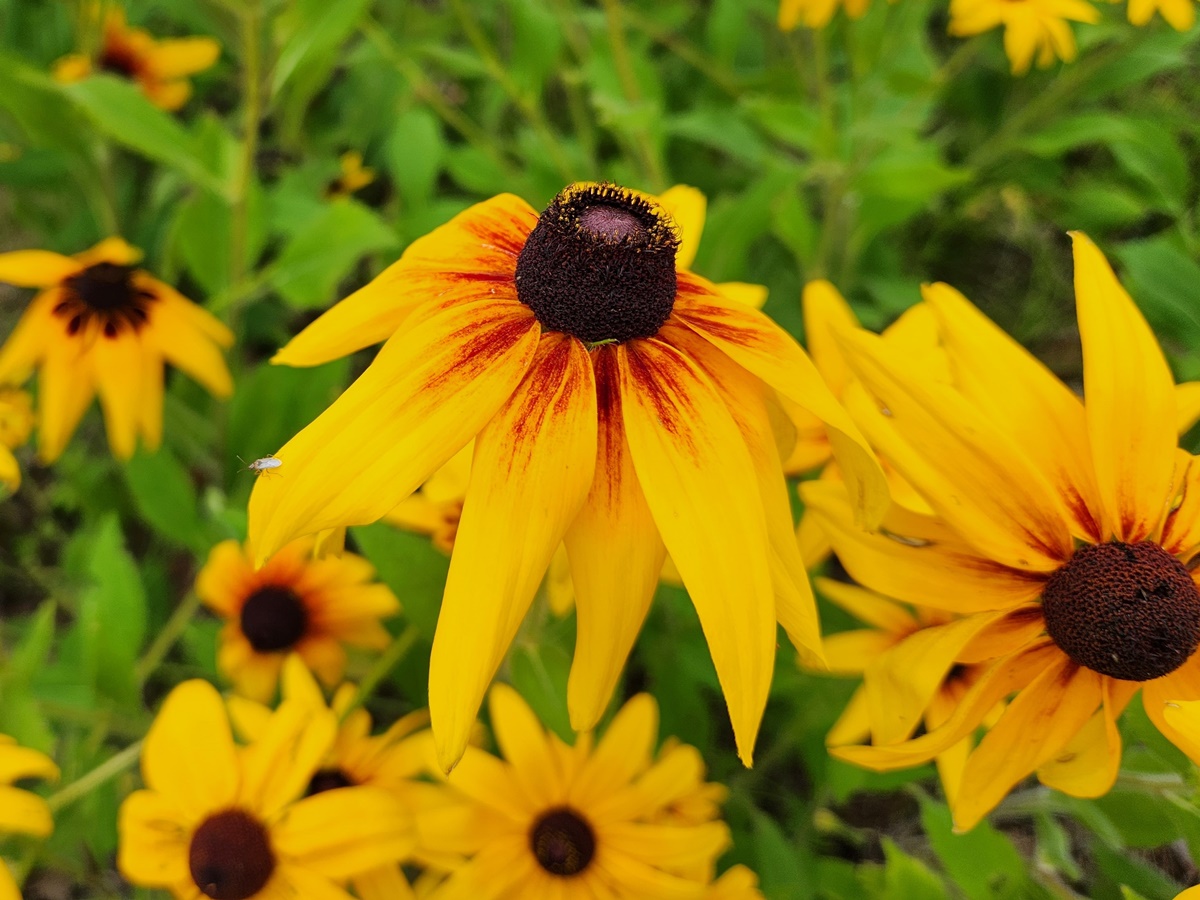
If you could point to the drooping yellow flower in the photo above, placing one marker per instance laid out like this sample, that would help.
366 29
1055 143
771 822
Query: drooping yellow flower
563 821
296 603
233 823
617 402
16 424
1033 29
1062 531
354 175
160 67
99 325
20 811
1179 14
817 13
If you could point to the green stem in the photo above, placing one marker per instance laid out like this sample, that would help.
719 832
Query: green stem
251 26
387 661
110 768
167 636
614 17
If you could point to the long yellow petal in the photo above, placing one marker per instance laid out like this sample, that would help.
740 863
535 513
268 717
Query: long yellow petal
35 268
66 388
177 57
22 762
869 607
698 478
825 312
759 345
622 754
472 256
1130 394
533 466
687 206
372 829
153 849
1087 766
428 392
280 763
118 368
188 347
611 601
35 331
522 741
1181 533
24 813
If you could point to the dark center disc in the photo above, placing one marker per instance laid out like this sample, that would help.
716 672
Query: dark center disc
273 619
105 292
563 842
230 856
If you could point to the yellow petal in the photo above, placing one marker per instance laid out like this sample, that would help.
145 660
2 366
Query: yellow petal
279 765
533 466
697 475
868 606
17 763
384 883
1087 766
10 470
854 724
622 754
1038 723
66 388
153 849
1130 395
428 392
1167 702
559 588
825 312
372 829
752 295
168 95
763 348
71 68
1181 533
189 754
184 314
850 652
113 250
177 57
814 545
150 407
24 813
1184 717
687 206
472 256
522 741
35 268
118 372
188 348
490 782
615 523
36 331
671 847
1024 399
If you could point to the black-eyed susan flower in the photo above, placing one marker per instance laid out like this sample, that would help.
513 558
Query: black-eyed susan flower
20 811
1061 531
1179 14
1034 30
16 424
296 603
101 326
233 823
618 403
354 176
555 820
817 13
159 67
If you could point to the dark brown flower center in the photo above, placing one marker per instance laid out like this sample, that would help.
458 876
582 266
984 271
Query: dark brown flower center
107 294
230 857
273 619
600 265
118 60
1129 611
328 780
563 842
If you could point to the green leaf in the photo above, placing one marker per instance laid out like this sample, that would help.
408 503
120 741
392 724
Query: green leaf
318 257
411 566
537 42
1165 282
37 105
539 673
983 862
778 860
906 876
1064 133
310 29
414 154
33 650
163 494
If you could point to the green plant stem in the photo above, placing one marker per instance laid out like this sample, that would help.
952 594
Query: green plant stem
577 102
251 27
614 17
383 665
167 636
81 787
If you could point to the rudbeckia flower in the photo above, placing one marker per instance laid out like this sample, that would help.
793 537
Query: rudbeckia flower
296 603
354 175
1062 531
1180 14
233 823
617 402
1033 29
20 811
817 13
573 821
160 67
16 423
99 325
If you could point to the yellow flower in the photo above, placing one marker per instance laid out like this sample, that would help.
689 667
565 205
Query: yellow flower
159 67
294 603
99 325
233 823
554 820
817 13
354 175
739 883
1061 531
20 811
1180 14
1032 28
16 423
617 402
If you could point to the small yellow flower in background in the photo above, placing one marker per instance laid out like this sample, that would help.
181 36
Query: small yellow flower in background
295 603
20 811
1033 29
16 424
617 401
1062 532
99 325
1179 14
160 67
817 13
554 820
354 175
233 823
739 883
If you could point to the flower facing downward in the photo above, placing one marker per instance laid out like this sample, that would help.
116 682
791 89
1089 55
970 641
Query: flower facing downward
1062 530
99 325
160 67
232 823
617 402
294 604
20 811
1033 29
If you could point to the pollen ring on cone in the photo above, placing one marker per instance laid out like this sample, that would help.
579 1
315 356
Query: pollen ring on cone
600 265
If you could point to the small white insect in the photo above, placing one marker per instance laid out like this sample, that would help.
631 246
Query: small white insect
263 466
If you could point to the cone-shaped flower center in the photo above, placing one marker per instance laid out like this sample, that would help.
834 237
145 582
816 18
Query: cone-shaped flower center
273 618
230 856
600 265
563 842
328 780
1129 611
105 292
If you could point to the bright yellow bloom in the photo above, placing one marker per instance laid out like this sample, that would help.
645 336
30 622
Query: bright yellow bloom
1180 14
1033 29
16 424
99 325
562 821
160 67
739 883
294 604
233 823
817 13
354 175
20 811
1061 531
617 402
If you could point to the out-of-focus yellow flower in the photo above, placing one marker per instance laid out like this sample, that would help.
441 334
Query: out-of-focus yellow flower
160 67
817 13
20 811
354 175
739 883
99 325
1033 29
1180 14
16 424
